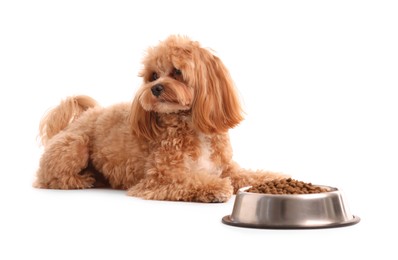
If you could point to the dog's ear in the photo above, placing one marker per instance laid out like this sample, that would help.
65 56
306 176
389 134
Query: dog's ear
216 107
143 122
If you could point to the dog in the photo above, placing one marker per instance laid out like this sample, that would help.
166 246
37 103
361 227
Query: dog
170 143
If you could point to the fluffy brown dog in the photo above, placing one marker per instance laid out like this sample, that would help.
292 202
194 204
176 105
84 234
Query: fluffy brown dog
171 143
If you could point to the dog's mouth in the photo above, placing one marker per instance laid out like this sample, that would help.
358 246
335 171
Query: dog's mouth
167 107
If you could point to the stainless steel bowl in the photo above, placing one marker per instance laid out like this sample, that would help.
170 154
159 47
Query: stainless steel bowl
290 211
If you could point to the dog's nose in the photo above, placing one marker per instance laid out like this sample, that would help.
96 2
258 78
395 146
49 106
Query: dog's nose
157 90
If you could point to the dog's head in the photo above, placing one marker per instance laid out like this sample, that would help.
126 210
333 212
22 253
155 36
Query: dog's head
180 75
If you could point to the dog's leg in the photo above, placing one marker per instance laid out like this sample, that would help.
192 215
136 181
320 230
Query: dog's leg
243 177
63 161
195 187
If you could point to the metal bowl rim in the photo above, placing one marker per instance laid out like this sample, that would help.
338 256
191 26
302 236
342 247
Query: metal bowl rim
332 190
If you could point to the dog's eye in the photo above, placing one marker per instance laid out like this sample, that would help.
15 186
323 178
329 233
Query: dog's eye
154 76
176 73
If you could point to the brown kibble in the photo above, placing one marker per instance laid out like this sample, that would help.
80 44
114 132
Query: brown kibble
286 186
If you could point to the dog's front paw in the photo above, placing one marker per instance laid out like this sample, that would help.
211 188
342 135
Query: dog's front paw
216 197
216 192
211 189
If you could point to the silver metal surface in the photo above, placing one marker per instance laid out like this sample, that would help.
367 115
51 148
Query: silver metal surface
318 210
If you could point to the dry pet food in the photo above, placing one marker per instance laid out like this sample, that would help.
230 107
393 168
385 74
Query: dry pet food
286 186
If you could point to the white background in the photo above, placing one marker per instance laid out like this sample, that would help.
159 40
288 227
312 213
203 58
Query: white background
318 80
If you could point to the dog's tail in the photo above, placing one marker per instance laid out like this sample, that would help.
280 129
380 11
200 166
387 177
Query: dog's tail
58 118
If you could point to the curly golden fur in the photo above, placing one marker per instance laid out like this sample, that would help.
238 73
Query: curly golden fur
171 143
